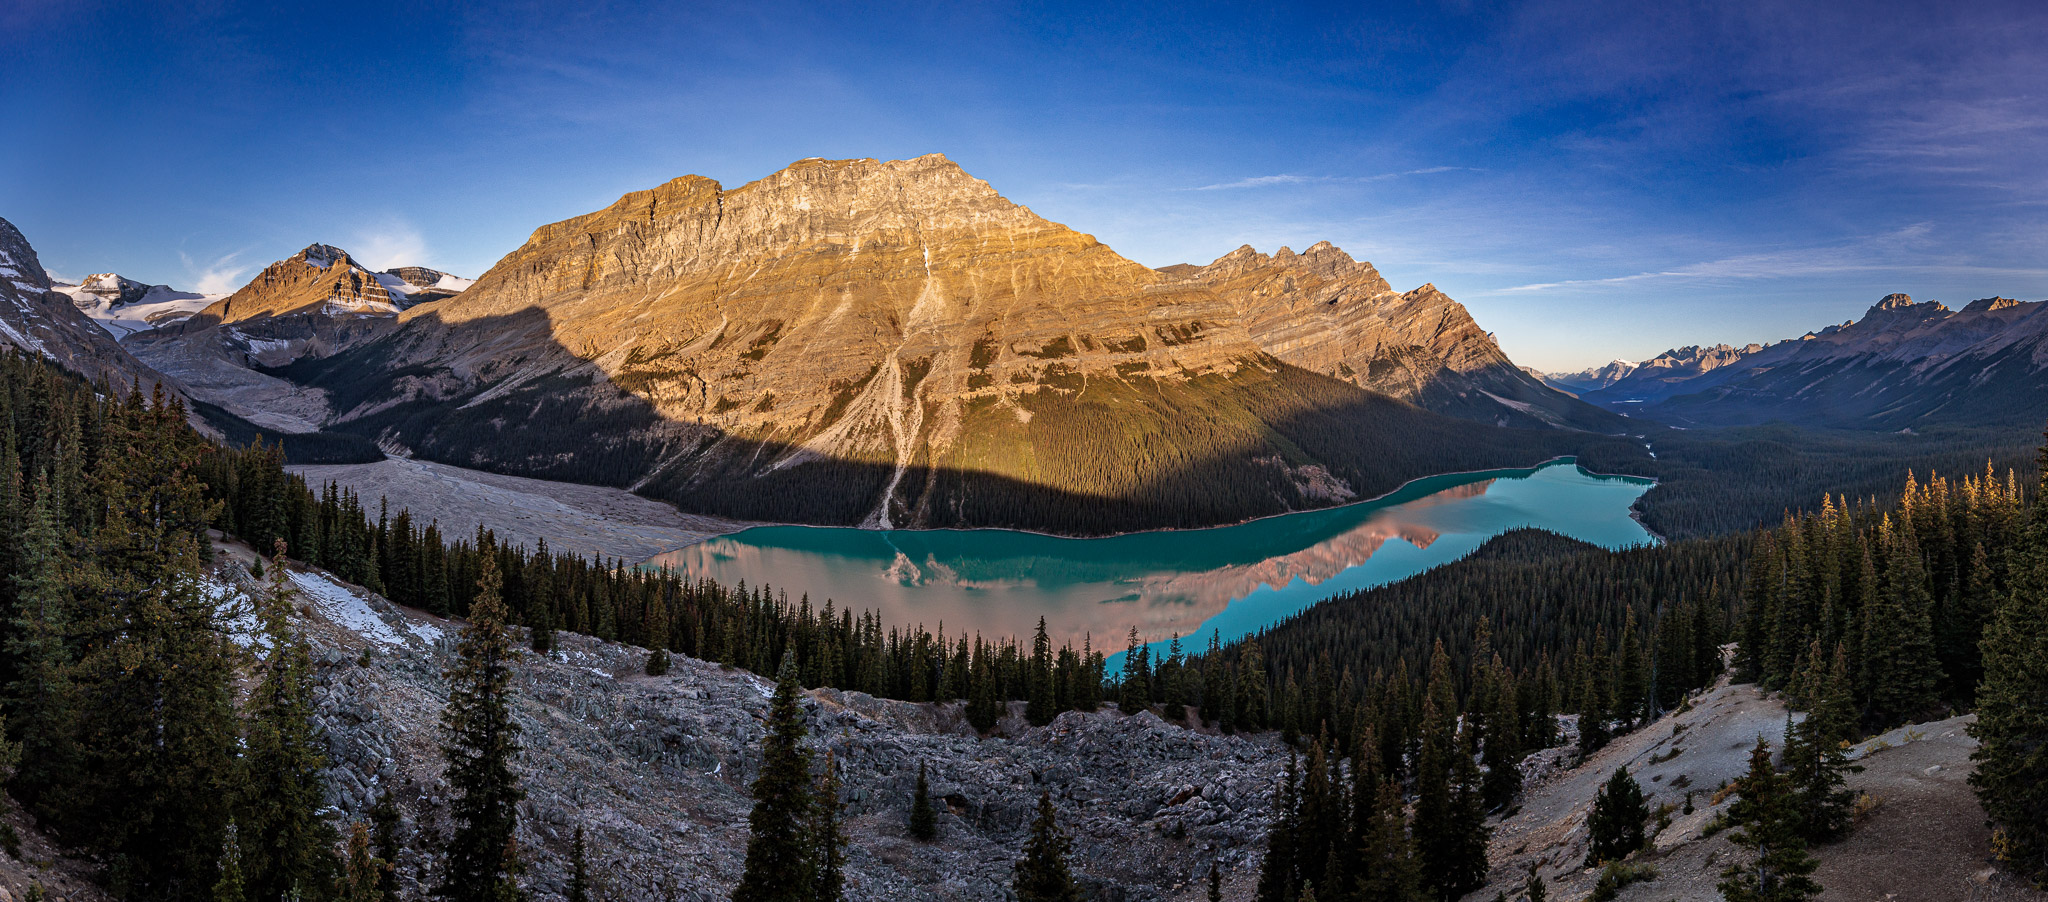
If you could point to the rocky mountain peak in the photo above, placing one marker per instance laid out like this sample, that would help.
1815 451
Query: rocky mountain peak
323 255
1894 303
322 278
113 288
18 264
1987 305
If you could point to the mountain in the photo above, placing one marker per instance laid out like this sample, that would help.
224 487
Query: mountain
37 319
895 343
1902 365
1593 378
314 301
123 306
321 278
1661 376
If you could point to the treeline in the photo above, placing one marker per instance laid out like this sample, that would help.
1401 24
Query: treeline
1902 595
1730 481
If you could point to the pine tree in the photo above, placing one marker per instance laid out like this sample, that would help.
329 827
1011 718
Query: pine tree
781 861
1535 889
924 823
828 837
290 848
1781 868
1041 874
1616 825
2011 778
479 742
1215 883
362 878
657 662
984 707
579 869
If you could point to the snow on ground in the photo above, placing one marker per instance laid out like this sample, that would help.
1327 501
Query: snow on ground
345 608
237 612
162 305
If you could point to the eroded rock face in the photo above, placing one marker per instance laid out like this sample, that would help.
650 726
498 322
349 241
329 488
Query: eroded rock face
914 279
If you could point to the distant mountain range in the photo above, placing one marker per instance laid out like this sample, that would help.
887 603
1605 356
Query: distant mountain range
1902 365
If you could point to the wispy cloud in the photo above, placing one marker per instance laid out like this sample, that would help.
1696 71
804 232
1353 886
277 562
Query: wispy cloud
220 275
1892 252
1267 181
388 244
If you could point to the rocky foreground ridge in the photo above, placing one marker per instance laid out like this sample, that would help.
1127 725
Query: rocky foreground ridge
657 769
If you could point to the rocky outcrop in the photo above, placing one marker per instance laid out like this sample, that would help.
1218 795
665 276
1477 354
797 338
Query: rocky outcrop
112 289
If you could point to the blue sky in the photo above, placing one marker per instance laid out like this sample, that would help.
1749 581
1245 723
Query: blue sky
1594 180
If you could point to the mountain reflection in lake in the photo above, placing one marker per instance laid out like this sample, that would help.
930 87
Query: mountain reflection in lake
1232 579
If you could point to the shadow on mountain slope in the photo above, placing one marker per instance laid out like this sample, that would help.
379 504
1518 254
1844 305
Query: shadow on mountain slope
1076 456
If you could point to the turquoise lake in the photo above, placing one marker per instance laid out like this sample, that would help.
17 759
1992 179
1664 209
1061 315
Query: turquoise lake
1230 579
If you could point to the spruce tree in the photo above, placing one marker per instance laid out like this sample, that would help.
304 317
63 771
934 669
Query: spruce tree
1173 682
1136 688
1387 870
924 823
1215 883
1277 873
1040 706
781 861
229 886
289 852
386 843
40 697
1535 889
362 878
579 869
1814 759
1615 827
1780 870
1466 864
1041 873
2011 777
479 741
